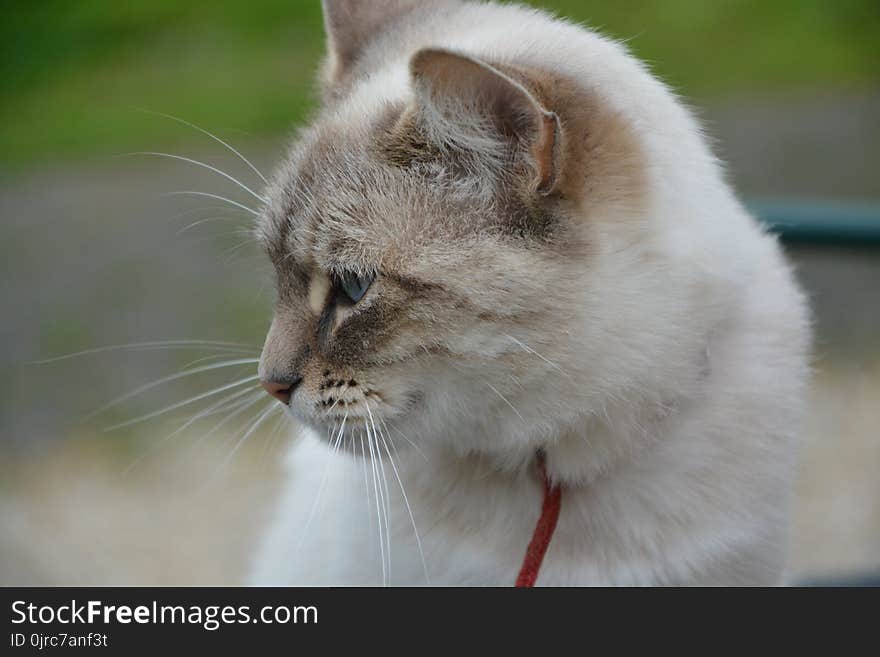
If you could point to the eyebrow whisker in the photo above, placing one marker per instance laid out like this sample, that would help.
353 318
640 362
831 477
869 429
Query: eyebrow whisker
212 136
181 404
214 196
207 166
172 377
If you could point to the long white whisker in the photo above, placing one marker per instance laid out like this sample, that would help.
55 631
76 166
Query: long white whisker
204 165
207 208
216 196
387 495
402 435
406 502
341 433
382 502
252 423
367 496
161 344
504 399
205 221
181 404
273 406
195 418
409 512
173 377
230 252
532 351
236 410
338 399
217 407
205 359
330 456
379 505
271 439
212 136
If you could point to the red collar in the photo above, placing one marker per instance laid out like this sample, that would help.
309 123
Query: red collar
531 565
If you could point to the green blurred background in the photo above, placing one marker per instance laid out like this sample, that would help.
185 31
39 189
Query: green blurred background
93 253
72 71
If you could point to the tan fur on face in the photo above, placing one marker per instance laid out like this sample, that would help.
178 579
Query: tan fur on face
464 241
319 289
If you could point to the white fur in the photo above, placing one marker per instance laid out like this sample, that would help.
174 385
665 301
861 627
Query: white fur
691 341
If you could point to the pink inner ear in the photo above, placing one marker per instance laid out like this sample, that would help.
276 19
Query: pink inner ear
543 152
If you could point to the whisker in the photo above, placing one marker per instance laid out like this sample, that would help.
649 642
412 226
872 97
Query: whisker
231 251
212 136
331 454
402 435
261 415
380 462
163 344
532 351
174 377
408 509
273 406
195 418
237 409
367 496
204 165
204 359
375 496
338 399
215 196
204 221
207 208
504 399
218 407
380 505
180 404
270 441
403 492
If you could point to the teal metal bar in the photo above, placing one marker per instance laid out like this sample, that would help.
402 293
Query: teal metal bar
820 222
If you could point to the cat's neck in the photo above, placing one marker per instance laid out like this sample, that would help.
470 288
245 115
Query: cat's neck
591 447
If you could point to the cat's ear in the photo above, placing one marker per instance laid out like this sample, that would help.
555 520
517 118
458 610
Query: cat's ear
351 25
465 95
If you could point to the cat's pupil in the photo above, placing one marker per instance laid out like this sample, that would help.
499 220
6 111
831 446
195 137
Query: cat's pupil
354 286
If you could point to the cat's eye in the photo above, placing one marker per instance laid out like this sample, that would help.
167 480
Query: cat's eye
353 286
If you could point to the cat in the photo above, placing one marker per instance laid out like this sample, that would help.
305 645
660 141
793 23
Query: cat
503 242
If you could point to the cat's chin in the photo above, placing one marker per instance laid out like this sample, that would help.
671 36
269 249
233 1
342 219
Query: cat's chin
362 438
354 428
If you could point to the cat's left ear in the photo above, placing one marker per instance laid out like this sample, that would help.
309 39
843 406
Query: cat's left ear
465 94
351 25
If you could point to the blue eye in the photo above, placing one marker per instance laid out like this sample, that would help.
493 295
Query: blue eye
353 286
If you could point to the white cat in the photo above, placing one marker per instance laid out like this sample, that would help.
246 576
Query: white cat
501 238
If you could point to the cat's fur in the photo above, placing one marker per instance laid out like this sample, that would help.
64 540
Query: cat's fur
559 266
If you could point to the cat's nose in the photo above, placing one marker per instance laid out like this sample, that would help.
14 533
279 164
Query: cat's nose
282 389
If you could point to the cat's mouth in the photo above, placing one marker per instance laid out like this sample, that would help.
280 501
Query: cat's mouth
342 403
370 404
370 417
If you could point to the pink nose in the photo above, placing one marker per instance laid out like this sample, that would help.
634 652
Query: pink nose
281 390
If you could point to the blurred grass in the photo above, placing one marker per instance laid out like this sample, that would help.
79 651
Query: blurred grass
72 72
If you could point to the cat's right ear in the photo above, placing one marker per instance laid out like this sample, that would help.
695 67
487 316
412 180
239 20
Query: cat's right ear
471 104
350 26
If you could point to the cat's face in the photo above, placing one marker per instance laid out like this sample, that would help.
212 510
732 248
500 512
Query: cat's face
402 264
430 266
391 273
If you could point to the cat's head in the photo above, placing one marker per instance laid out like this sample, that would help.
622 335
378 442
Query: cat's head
437 235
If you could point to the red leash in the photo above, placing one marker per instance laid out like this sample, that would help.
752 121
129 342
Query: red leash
528 572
